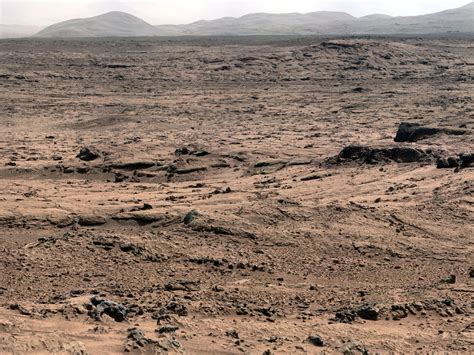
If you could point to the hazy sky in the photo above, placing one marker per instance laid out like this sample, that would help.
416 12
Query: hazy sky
46 12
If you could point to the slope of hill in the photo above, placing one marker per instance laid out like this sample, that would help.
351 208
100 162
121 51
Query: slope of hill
112 24
119 24
326 22
17 31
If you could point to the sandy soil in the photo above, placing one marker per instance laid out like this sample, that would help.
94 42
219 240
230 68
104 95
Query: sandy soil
213 207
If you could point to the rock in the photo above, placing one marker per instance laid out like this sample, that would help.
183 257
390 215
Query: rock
232 334
20 308
91 220
136 339
462 161
182 151
451 279
466 160
135 334
88 154
369 155
174 308
471 272
114 310
190 217
412 132
75 348
83 169
368 312
135 165
167 329
447 163
354 348
316 340
315 177
181 285
201 153
119 177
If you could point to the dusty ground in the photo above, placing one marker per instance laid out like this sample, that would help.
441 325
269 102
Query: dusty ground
218 215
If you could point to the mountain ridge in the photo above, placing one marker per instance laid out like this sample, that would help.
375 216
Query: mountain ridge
114 24
121 24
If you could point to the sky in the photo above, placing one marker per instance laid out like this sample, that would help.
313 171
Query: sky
157 12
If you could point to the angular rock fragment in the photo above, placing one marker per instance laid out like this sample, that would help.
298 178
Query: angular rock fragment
369 155
88 154
114 310
413 132
316 340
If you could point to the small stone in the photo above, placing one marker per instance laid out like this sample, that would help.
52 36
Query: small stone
190 217
451 279
316 340
88 154
232 334
167 329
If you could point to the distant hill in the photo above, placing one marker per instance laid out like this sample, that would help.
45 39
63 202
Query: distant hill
17 31
112 24
325 22
119 24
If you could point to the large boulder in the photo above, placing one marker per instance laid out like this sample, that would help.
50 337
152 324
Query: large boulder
412 132
371 155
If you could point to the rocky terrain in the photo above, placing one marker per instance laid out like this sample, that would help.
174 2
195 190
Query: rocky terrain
227 195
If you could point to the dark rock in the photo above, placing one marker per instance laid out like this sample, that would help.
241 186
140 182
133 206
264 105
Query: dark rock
103 243
471 272
447 163
135 334
451 279
88 154
188 170
119 177
412 132
173 308
232 334
368 155
83 169
182 151
316 340
167 329
201 153
315 177
181 285
114 310
466 160
368 312
91 220
136 340
139 165
354 348
190 217
20 308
